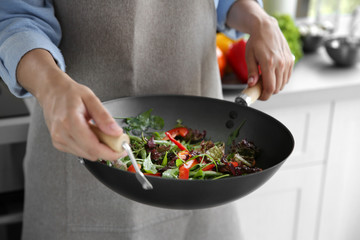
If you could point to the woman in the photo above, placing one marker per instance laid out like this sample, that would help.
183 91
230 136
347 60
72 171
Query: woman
113 49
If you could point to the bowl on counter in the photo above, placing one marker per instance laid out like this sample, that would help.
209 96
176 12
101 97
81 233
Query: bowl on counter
344 51
312 35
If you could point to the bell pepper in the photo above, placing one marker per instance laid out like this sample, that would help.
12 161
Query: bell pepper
152 174
237 61
182 147
224 42
132 168
184 173
235 164
182 131
184 170
208 167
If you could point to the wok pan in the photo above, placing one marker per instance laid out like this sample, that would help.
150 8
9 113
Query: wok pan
219 118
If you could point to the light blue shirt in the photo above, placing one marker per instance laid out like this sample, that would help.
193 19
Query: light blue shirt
25 26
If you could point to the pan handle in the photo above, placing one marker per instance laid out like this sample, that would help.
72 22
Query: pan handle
249 95
115 143
121 144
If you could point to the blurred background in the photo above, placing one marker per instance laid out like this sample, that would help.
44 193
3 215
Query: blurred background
316 193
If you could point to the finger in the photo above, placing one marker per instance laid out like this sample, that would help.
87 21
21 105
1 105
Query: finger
285 79
285 75
86 142
253 73
101 116
268 82
291 67
288 70
93 154
279 74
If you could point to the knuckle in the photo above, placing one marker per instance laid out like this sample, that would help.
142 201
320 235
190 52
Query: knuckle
58 146
270 61
56 139
289 62
269 90
56 136
89 95
281 63
273 20
265 96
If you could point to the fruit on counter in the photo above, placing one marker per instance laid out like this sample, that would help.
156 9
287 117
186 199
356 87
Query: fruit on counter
221 60
236 59
231 59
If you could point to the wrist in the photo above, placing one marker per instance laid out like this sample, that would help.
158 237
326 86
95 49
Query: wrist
37 72
247 16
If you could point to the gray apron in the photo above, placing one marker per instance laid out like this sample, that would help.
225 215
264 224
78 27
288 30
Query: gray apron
122 48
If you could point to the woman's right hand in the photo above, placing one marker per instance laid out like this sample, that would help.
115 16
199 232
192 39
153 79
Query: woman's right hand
68 107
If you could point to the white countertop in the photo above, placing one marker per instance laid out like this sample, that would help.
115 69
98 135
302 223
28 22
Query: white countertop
314 79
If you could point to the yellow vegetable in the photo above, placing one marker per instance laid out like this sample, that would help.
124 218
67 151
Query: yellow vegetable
223 42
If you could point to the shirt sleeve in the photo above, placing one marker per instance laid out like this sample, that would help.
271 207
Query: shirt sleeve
26 25
222 8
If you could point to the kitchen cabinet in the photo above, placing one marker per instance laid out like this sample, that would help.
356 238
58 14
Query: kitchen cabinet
14 121
315 194
287 206
340 210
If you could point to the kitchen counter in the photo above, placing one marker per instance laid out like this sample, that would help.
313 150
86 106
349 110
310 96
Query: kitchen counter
314 79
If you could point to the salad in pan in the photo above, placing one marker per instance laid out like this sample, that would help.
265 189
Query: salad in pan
183 152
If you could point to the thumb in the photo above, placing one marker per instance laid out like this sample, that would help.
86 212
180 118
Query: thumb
253 73
102 117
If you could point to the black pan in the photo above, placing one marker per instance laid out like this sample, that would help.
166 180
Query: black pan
219 118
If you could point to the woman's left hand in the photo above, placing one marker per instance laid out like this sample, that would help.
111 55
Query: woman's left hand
266 47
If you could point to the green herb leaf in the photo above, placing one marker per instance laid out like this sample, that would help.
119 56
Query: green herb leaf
156 122
212 174
141 123
143 153
179 162
149 167
165 160
199 175
171 173
235 133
